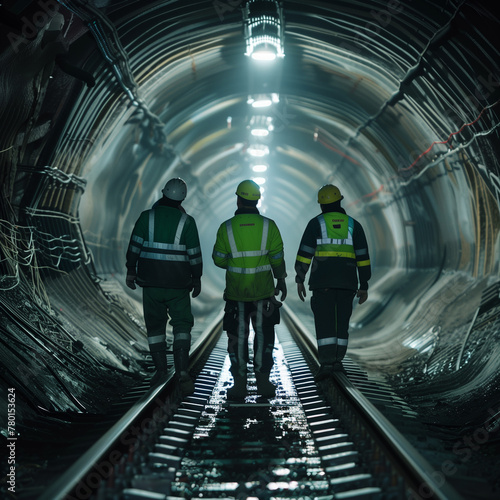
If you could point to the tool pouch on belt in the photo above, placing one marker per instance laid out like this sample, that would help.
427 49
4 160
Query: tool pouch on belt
271 311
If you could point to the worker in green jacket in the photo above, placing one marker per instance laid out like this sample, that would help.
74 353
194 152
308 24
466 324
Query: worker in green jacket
164 258
335 247
249 247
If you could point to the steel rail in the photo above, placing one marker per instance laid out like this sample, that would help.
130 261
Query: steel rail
417 472
100 453
418 476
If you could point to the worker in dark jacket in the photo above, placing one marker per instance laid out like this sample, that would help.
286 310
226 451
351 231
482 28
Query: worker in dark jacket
164 258
249 247
335 245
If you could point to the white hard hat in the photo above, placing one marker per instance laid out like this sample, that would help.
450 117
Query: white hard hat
175 189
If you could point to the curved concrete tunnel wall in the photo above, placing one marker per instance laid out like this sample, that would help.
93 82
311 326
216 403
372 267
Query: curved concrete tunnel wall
417 214
413 197
368 100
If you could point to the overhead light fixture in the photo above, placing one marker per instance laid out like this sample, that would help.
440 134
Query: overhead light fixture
264 52
261 125
260 132
258 150
263 25
260 167
263 100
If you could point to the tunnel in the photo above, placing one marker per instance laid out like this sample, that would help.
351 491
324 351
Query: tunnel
395 102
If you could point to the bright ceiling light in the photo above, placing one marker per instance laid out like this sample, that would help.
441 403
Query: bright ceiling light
261 167
264 52
264 30
264 123
259 180
258 150
260 132
263 100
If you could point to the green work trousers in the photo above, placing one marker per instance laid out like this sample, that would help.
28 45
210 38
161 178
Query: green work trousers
162 304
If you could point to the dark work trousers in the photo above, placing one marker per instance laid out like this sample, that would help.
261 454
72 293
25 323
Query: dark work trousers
332 309
263 315
162 304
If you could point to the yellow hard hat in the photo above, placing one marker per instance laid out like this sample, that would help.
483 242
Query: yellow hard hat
329 194
249 190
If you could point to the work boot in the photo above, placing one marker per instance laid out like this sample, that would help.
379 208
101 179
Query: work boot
181 361
339 367
160 362
186 383
341 352
324 372
264 387
239 389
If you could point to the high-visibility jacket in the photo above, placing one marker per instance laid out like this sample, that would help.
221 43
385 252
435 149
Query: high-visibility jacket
250 248
336 246
164 249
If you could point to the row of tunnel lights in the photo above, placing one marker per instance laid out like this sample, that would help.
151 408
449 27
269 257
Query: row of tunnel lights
263 23
260 128
258 150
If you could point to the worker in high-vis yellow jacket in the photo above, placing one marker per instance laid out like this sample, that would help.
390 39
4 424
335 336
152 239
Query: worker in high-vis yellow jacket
334 246
249 247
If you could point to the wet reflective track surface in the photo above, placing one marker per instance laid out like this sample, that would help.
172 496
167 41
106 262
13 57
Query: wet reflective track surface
311 441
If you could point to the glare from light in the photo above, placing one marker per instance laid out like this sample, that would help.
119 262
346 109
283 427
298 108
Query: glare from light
264 54
262 167
262 103
282 485
281 471
262 121
259 180
259 132
258 151
263 100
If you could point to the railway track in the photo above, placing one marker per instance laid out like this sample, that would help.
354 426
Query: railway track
311 441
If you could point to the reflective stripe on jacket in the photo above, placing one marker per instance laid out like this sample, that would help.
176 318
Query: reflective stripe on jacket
250 248
336 245
164 249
